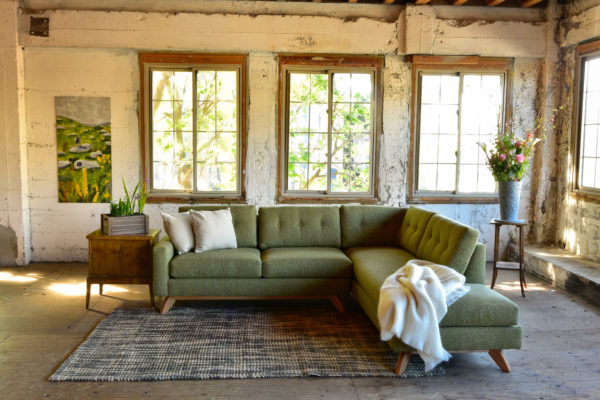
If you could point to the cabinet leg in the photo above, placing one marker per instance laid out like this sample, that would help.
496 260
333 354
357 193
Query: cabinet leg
101 288
87 294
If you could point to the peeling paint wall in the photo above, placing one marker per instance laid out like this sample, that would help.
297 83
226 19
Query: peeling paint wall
578 223
14 213
93 52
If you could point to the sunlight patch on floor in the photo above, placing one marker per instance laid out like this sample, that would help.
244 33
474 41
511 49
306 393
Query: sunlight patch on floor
79 289
516 286
10 277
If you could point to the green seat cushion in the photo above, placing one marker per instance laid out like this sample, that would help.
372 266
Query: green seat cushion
412 228
372 265
243 218
448 242
305 262
299 227
370 225
227 263
482 306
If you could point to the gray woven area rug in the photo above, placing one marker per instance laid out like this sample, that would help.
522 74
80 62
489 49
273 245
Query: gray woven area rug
232 341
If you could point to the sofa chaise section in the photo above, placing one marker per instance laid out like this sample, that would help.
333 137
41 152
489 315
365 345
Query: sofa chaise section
482 320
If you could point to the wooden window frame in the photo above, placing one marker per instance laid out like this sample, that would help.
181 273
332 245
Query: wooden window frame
316 62
583 50
456 64
174 60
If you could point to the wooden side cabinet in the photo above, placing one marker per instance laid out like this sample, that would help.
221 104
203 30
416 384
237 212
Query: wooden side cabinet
124 259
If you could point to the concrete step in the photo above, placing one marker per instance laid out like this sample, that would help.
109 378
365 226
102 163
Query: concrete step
564 270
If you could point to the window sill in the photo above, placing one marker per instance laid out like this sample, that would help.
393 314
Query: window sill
586 196
449 199
326 200
194 199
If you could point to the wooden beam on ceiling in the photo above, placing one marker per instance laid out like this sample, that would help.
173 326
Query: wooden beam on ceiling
422 1
459 2
388 1
493 3
529 3
352 1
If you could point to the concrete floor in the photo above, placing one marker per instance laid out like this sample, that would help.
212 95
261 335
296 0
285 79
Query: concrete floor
43 318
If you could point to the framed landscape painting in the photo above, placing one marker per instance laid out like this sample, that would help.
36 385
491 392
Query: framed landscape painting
83 138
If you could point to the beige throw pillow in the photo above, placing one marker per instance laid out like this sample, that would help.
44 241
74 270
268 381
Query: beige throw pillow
213 230
179 229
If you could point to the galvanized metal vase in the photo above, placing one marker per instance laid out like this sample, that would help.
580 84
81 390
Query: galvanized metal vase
509 194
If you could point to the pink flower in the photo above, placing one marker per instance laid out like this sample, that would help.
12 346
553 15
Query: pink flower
502 157
529 135
518 144
520 158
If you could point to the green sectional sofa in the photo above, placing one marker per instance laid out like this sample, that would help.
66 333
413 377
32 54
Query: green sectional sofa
329 251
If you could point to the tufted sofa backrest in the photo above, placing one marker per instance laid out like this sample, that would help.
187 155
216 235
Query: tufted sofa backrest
448 242
243 218
413 228
292 226
364 225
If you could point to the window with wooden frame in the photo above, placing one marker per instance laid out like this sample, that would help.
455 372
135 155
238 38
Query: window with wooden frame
329 122
457 103
587 121
193 131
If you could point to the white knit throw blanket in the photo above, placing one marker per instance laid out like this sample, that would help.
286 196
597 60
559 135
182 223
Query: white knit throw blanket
412 302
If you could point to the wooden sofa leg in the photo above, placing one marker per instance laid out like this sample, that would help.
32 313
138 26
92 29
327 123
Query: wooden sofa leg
403 359
337 303
167 304
499 359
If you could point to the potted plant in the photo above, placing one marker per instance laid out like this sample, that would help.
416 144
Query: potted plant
126 215
509 159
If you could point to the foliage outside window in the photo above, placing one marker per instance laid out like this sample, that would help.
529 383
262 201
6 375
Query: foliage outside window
456 108
329 124
193 125
588 119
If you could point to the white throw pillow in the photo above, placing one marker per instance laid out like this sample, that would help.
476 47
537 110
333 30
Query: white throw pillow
179 229
213 230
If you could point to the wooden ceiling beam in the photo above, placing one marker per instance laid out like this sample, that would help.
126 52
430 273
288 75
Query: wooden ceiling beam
459 2
388 1
493 3
352 1
422 2
529 3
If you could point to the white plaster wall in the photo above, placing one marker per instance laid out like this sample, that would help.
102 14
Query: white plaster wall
58 229
94 53
579 224
14 213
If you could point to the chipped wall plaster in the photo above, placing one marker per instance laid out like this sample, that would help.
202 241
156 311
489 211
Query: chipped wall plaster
94 53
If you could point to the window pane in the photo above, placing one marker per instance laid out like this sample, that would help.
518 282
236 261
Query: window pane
298 147
298 117
319 88
226 118
449 89
430 89
318 118
172 176
206 85
361 87
589 125
361 117
297 176
317 176
427 177
447 149
226 145
342 87
299 88
206 147
318 148
428 149
340 179
430 119
446 177
468 179
341 117
227 85
216 176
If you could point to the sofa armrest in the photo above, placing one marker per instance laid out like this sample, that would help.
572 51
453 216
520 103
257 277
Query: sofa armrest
162 253
475 272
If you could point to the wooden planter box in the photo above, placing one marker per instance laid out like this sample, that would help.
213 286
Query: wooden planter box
125 225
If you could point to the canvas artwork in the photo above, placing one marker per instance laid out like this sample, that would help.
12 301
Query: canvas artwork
83 138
